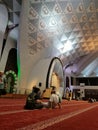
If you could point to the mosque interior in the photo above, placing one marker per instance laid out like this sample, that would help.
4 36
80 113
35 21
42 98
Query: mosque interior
65 29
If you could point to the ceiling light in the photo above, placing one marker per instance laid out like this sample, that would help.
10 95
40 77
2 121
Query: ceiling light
67 47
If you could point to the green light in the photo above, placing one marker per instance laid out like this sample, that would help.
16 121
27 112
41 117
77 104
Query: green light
18 64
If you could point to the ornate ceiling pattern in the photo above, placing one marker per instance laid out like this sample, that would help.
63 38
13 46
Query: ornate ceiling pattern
70 26
59 21
14 8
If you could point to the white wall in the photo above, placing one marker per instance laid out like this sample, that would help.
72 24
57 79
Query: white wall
82 89
30 64
3 23
10 43
39 74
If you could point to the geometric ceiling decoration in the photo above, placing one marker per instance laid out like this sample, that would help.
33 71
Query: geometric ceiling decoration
59 23
76 21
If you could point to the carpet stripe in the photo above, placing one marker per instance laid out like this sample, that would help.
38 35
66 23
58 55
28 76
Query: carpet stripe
11 105
16 111
11 112
44 124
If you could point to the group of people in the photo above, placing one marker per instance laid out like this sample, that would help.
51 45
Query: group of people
34 99
91 100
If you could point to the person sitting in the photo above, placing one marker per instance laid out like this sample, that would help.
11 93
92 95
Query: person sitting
58 94
33 100
53 101
91 100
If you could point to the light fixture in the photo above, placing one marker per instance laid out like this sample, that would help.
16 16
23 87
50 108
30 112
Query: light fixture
67 47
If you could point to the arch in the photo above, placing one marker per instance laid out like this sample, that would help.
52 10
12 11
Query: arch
42 73
12 61
57 68
10 80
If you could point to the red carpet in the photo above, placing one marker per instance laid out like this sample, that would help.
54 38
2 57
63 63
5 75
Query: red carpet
84 121
74 115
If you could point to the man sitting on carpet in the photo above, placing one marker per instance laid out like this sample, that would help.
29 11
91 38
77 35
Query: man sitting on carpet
33 99
53 101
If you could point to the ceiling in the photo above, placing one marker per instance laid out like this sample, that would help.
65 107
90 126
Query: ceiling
65 22
14 8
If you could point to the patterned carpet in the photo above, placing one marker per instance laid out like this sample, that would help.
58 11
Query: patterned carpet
74 115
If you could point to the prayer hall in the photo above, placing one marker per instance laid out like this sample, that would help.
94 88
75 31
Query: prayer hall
48 64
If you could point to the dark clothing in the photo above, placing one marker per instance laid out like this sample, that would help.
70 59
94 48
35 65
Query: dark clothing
33 105
31 101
